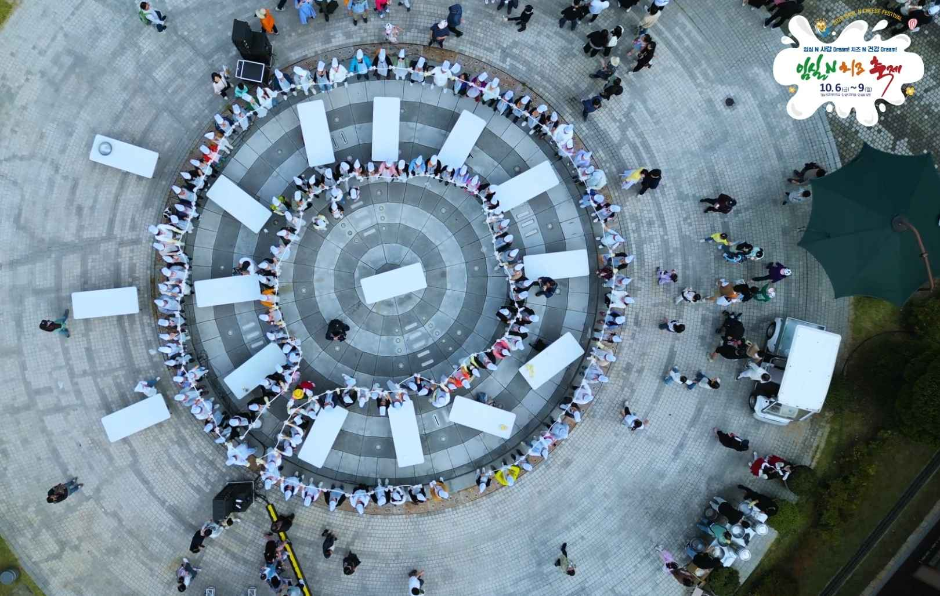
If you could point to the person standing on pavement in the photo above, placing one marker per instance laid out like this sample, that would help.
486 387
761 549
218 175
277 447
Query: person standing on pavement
523 17
632 421
810 171
775 272
573 13
329 541
723 204
612 89
672 326
267 21
732 441
607 69
57 325
220 84
358 8
406 4
509 4
350 563
454 17
566 565
185 574
547 287
645 56
590 105
596 7
782 13
439 33
657 6
61 492
596 41
416 582
151 16
615 36
650 180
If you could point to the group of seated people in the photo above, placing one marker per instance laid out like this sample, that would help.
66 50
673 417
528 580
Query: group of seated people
334 184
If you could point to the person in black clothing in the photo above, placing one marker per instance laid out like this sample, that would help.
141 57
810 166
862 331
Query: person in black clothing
651 179
732 441
350 562
762 502
706 561
596 41
613 89
733 515
645 56
283 523
921 16
329 539
196 544
547 287
336 330
439 33
270 549
523 17
782 13
731 326
573 13
723 204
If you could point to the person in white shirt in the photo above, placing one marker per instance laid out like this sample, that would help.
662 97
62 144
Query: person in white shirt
632 421
755 373
337 496
416 582
380 493
596 7
311 493
360 499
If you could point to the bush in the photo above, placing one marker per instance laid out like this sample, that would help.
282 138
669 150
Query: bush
776 583
917 407
803 481
840 396
724 581
791 518
923 318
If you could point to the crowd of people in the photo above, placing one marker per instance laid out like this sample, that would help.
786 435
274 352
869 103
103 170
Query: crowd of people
338 185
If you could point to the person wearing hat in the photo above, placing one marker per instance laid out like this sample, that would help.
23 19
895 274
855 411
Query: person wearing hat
775 272
523 17
322 77
358 8
360 65
267 20
439 32
418 70
360 499
439 490
507 474
401 66
441 75
382 64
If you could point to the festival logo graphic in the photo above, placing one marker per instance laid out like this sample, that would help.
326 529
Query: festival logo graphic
848 73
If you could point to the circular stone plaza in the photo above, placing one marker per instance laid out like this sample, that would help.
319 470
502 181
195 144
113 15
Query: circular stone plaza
73 225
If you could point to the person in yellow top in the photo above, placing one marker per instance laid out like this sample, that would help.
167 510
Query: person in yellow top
507 475
267 20
719 238
631 177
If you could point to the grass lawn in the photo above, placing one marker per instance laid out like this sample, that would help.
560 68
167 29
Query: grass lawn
6 9
7 560
862 412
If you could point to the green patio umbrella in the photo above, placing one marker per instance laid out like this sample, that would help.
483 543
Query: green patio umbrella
874 226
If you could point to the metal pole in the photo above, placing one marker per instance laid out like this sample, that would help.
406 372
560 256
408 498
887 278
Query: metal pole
900 223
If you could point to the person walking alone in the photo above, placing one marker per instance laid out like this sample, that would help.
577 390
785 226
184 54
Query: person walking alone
782 13
590 105
732 441
350 562
61 492
566 565
416 582
723 204
359 8
57 325
509 4
454 17
267 21
775 272
151 16
523 17
439 33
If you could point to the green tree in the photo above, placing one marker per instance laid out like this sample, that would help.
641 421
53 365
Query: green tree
724 581
918 407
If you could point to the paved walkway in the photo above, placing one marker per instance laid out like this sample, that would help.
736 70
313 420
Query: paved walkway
70 225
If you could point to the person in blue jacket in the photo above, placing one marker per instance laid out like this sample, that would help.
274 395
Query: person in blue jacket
360 65
454 16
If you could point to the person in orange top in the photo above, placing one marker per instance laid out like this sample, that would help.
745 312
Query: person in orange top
267 20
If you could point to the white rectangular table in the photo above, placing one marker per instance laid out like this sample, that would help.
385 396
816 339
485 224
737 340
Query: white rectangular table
405 435
556 265
470 412
135 418
551 361
227 290
529 184
386 113
249 375
322 435
396 282
316 131
239 204
461 140
125 156
104 303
